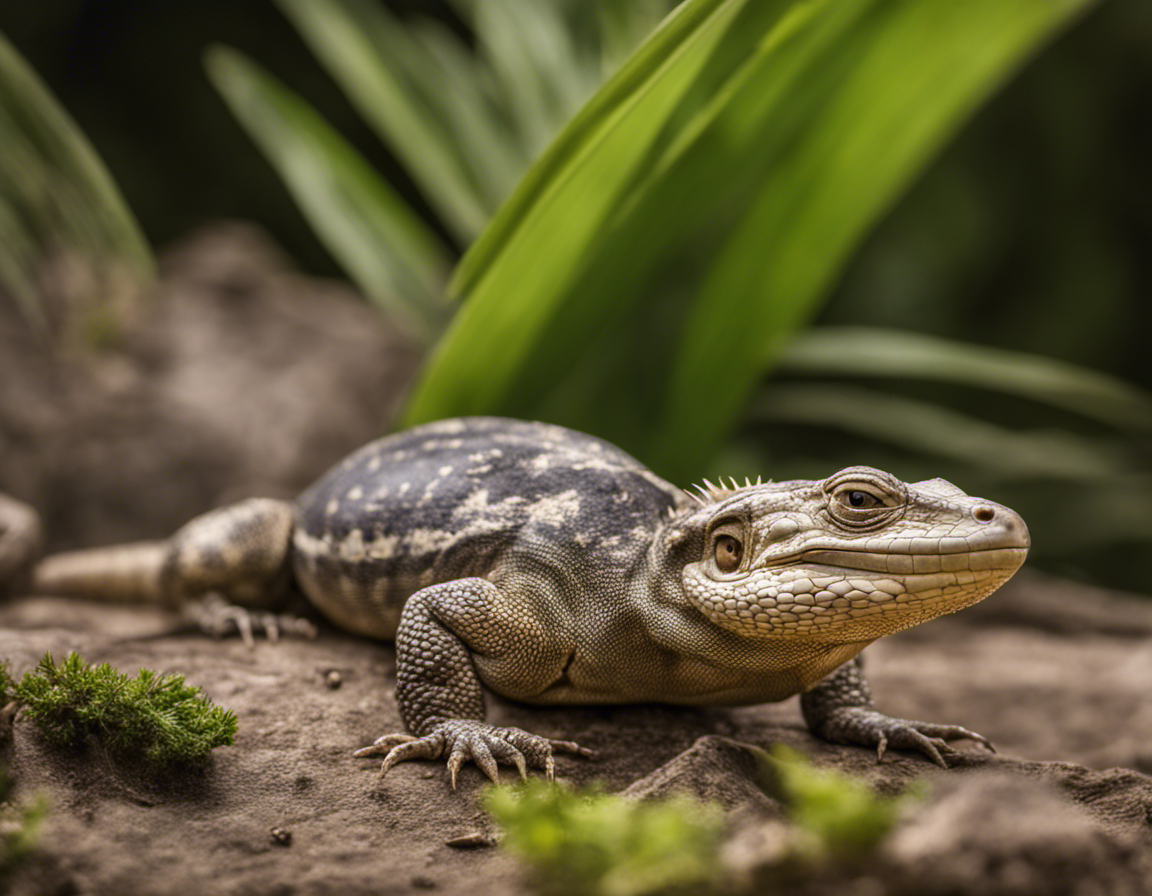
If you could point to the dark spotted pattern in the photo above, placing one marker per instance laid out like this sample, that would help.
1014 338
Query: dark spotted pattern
471 497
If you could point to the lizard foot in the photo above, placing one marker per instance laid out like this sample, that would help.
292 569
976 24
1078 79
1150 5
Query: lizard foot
214 616
867 727
486 745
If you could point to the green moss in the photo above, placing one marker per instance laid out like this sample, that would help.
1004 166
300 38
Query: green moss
835 814
155 718
588 842
19 828
6 685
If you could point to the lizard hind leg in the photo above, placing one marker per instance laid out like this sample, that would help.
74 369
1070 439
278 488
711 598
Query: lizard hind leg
228 570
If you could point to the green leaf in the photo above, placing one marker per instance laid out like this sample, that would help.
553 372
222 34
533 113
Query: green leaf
534 56
717 184
877 352
340 33
927 428
56 196
460 88
392 255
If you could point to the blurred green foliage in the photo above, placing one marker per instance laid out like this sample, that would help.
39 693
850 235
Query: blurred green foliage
57 202
153 718
591 842
596 844
835 816
6 685
19 828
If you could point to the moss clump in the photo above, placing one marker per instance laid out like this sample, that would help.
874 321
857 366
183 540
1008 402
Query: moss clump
19 827
835 815
598 844
6 685
154 718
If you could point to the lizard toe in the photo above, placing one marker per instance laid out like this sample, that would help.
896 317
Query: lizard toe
384 744
464 740
862 726
430 747
215 616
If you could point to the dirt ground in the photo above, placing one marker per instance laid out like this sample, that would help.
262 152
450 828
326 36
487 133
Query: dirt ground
242 378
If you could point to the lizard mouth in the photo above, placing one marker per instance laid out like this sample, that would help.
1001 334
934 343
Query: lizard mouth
910 563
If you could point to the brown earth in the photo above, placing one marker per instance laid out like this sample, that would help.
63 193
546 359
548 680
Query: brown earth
242 378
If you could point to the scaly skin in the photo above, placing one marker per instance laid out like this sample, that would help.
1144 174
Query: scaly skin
550 567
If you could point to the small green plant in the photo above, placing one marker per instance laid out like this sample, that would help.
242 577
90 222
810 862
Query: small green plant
19 825
589 842
835 815
157 718
6 685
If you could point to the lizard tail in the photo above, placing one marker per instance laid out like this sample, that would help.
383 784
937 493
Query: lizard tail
121 573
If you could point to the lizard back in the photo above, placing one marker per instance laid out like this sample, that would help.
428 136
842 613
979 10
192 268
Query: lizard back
457 498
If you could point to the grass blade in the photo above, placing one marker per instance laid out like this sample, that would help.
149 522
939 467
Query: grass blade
339 33
530 48
925 428
372 233
877 352
56 196
495 158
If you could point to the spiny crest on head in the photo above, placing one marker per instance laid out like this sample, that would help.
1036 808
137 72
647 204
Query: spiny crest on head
710 494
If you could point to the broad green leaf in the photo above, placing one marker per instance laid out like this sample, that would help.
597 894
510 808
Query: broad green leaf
728 169
515 275
623 27
340 33
874 352
582 133
922 427
877 89
56 196
376 237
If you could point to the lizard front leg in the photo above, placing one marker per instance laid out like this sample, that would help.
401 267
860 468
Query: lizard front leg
839 709
446 632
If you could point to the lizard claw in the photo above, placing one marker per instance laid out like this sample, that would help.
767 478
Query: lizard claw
867 727
214 616
486 745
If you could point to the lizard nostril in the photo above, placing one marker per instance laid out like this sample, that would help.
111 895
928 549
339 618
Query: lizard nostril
984 514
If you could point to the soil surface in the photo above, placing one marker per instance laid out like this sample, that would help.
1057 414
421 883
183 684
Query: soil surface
238 377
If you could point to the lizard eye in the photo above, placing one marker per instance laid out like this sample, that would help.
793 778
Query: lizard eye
858 499
728 553
857 506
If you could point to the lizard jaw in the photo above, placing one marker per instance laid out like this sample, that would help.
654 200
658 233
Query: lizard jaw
844 596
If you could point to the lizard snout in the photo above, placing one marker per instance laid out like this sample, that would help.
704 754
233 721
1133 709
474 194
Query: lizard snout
1004 526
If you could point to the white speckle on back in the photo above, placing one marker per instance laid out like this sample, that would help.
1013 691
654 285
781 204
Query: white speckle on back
332 507
355 493
352 547
555 510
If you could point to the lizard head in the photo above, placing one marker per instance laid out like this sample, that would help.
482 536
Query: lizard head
849 559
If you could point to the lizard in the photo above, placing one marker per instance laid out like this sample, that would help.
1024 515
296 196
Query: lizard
551 567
